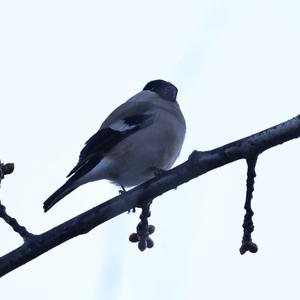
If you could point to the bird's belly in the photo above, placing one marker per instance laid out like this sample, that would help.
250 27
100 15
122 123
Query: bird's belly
141 158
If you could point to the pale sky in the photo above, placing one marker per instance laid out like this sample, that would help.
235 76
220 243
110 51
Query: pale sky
64 65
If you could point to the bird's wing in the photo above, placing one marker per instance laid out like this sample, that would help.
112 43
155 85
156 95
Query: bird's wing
106 138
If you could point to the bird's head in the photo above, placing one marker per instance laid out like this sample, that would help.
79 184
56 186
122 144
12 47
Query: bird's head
164 89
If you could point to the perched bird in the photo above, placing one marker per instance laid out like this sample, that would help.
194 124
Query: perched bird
140 136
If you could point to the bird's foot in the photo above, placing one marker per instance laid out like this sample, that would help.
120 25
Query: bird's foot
122 190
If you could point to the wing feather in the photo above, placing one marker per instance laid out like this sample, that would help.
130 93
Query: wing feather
105 139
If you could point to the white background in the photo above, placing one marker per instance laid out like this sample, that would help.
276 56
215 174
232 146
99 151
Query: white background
64 65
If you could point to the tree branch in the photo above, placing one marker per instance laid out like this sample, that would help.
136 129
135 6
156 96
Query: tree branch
198 163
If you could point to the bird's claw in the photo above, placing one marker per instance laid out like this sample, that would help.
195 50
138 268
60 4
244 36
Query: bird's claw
122 191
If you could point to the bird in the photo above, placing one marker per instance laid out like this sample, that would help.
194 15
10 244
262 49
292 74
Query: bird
143 135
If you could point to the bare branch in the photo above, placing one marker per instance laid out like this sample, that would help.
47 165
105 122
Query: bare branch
197 164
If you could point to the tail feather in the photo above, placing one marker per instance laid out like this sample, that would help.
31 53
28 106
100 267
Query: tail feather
63 191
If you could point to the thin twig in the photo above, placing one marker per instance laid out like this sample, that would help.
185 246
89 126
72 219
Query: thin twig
143 229
21 230
247 244
6 169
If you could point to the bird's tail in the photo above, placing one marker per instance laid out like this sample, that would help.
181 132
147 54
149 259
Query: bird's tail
63 191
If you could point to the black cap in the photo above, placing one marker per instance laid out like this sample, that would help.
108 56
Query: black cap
164 89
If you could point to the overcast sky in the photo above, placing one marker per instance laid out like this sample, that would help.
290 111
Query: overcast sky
64 65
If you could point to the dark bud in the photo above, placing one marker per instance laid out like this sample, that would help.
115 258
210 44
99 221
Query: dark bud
150 243
142 245
133 238
151 229
8 168
248 246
